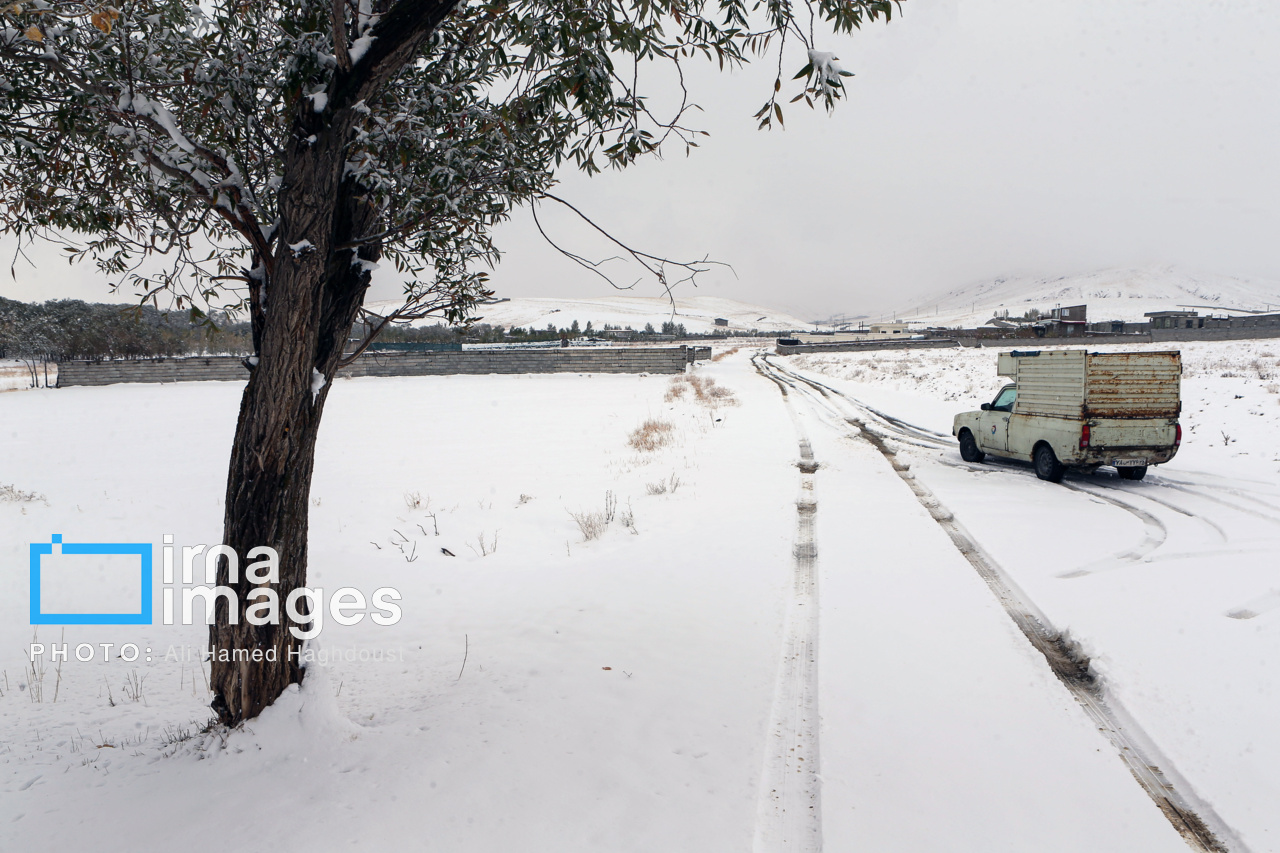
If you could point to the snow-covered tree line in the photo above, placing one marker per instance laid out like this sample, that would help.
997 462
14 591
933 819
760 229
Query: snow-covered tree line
69 328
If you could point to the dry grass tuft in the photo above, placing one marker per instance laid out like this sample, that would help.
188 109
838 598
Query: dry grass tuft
663 486
725 354
16 495
704 388
592 525
651 435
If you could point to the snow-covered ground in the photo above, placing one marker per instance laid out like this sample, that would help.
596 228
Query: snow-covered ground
696 313
1111 294
1170 584
615 692
544 692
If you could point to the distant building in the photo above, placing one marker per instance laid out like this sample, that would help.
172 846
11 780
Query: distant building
1256 320
1119 327
829 337
721 321
1072 319
1175 319
885 329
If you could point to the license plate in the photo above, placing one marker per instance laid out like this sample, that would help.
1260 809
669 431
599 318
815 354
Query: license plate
1129 463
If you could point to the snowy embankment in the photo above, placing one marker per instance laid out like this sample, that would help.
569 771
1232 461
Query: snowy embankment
1169 584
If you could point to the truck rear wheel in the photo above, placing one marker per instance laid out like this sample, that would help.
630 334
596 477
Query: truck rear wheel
969 451
1047 465
1137 472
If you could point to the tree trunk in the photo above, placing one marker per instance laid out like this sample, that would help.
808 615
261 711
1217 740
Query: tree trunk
302 317
303 303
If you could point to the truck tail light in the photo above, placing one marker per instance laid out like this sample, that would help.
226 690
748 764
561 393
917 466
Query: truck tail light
1177 435
1084 436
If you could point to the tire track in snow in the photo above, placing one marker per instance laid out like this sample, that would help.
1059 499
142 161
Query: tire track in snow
903 431
1229 484
836 403
890 426
1203 495
1087 484
1193 818
1155 531
1156 534
789 804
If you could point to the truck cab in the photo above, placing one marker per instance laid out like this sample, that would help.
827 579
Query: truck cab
1074 409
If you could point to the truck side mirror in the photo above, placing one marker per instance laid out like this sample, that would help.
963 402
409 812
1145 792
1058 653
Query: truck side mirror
986 407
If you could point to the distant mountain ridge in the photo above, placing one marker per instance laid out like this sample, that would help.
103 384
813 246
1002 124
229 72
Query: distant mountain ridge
1111 294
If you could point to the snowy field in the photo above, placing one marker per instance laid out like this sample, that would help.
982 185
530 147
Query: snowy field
615 692
549 689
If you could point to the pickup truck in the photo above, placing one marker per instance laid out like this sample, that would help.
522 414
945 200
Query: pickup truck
1080 410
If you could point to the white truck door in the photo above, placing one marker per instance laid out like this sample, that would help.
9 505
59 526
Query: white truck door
995 421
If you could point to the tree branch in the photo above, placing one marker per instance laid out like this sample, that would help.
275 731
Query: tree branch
655 265
396 39
340 35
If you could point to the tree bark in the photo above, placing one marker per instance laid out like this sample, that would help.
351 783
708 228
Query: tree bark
302 315
303 320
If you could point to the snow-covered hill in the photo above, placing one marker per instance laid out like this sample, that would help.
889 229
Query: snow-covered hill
1112 294
696 314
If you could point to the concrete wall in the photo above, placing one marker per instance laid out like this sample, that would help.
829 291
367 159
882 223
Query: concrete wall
1064 341
860 346
570 360
1207 334
151 370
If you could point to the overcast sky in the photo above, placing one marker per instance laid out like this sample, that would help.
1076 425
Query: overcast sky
981 138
